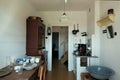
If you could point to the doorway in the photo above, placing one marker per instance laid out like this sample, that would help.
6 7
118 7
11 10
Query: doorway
60 43
55 45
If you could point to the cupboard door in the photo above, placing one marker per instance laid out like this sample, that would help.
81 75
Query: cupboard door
32 37
32 51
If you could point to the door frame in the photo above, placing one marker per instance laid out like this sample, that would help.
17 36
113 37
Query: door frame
59 40
49 49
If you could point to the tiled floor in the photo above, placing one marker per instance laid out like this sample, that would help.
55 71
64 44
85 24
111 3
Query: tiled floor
59 72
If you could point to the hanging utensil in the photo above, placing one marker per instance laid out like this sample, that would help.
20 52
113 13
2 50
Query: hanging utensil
77 28
74 31
84 34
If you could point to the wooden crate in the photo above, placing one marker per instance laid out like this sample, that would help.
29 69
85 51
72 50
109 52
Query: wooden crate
64 57
86 76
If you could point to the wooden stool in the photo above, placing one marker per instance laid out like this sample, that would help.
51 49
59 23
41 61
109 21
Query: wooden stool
86 76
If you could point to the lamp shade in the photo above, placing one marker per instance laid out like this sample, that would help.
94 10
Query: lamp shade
64 17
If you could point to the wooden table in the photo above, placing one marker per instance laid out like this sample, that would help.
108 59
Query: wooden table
26 75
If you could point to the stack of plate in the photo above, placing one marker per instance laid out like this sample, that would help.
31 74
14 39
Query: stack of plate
30 66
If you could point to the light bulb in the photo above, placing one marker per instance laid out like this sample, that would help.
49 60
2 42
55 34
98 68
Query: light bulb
65 1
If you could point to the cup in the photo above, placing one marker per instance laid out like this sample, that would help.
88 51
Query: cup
37 60
27 60
32 60
18 69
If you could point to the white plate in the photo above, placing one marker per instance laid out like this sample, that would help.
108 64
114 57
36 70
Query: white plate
5 71
30 66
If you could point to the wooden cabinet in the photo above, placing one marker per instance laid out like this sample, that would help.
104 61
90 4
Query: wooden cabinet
35 36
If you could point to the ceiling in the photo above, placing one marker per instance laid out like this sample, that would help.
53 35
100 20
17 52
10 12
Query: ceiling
58 5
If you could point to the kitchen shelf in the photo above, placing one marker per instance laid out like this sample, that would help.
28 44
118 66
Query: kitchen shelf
106 20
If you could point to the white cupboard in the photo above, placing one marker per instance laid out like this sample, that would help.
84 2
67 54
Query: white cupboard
78 66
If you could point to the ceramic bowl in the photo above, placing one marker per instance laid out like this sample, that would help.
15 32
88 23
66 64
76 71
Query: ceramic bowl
100 72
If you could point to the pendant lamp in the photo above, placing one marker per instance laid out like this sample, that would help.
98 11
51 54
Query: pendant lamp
64 16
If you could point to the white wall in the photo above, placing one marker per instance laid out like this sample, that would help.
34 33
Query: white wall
63 41
110 53
13 16
75 17
94 32
96 36
91 20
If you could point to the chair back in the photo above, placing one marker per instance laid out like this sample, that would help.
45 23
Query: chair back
42 71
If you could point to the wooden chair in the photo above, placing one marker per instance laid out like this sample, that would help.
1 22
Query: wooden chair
42 71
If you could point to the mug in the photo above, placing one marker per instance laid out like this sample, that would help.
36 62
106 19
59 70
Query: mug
32 60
